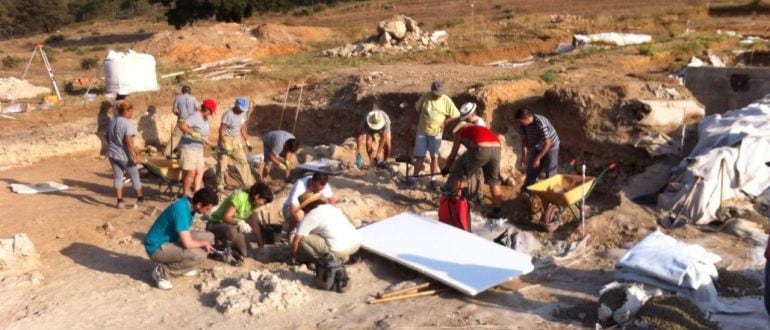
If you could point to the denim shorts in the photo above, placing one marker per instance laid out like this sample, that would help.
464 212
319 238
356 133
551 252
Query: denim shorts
426 143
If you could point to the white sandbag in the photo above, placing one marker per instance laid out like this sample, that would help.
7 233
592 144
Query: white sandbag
666 113
129 72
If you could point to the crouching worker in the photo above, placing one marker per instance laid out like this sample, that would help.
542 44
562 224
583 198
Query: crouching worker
483 152
324 229
236 217
171 243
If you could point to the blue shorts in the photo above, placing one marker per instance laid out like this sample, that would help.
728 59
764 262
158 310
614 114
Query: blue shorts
425 143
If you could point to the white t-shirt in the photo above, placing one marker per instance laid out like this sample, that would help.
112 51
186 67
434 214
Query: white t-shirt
300 187
332 225
480 122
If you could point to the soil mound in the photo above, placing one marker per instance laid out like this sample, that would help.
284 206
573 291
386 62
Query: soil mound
283 34
736 284
12 89
671 313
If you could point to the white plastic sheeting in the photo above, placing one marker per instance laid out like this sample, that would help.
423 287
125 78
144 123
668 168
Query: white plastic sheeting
614 38
739 137
457 258
129 72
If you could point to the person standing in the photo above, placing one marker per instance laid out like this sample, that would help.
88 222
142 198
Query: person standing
377 123
122 154
237 216
196 132
184 106
483 152
280 146
173 245
325 229
539 146
435 110
233 143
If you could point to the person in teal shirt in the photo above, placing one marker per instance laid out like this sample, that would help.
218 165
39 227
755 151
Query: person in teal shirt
236 217
173 245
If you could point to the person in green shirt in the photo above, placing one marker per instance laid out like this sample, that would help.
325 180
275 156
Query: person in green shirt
236 217
433 111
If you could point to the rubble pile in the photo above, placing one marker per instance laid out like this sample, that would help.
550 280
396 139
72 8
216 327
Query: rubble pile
260 291
397 34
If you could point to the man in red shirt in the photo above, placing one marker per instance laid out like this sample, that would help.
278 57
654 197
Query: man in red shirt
483 151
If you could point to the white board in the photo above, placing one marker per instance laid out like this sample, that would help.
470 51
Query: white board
459 259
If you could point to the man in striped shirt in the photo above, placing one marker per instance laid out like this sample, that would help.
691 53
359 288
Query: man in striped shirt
539 146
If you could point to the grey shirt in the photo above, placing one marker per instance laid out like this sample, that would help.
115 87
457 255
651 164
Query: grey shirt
186 105
538 131
233 122
274 142
118 128
198 124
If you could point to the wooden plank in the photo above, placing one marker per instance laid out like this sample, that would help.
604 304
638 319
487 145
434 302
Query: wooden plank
461 260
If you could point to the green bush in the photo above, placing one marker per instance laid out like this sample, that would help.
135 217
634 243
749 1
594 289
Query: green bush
54 38
647 49
549 76
11 61
89 63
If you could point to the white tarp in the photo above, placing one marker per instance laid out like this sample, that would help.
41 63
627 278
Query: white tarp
38 188
739 137
459 259
129 72
614 38
662 261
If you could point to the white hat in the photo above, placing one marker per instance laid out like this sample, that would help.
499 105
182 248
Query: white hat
467 109
376 119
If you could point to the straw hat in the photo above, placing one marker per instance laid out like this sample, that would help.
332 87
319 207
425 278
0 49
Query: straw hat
308 197
376 119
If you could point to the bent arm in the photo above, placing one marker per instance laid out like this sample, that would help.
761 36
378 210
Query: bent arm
453 154
189 243
229 216
129 140
546 148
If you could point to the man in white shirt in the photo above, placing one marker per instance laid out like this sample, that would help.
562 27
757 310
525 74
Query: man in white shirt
325 229
318 183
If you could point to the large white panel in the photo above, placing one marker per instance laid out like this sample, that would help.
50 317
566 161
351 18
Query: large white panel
459 259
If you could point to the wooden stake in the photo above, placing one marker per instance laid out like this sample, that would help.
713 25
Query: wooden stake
405 290
406 296
285 100
299 107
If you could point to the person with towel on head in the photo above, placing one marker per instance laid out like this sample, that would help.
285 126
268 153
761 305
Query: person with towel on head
234 143
122 154
196 132
468 114
376 125
318 183
237 216
325 229
184 106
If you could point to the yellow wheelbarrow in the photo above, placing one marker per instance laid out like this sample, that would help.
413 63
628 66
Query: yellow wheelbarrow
561 195
168 172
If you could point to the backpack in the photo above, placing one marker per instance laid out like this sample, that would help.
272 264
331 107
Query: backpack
330 273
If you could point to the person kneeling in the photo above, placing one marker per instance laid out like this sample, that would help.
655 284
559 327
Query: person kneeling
171 243
324 229
236 217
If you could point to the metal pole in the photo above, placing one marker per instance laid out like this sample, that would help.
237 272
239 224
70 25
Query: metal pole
583 203
29 62
285 100
299 107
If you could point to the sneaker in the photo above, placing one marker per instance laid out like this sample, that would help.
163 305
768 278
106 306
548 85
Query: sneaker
121 204
160 278
191 273
237 260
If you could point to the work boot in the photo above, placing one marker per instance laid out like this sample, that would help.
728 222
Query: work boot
159 276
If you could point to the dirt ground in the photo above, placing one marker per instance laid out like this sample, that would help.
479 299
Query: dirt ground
92 271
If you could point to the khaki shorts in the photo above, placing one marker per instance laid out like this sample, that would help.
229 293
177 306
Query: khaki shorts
191 159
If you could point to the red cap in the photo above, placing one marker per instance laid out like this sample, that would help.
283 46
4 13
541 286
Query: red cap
211 105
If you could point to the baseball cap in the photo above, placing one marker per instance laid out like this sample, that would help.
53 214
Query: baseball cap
467 110
376 119
242 103
437 87
210 104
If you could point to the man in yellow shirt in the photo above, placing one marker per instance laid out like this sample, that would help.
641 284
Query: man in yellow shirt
435 110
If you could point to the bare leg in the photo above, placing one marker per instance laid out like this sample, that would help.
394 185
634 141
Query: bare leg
199 178
189 178
386 146
497 195
434 169
418 165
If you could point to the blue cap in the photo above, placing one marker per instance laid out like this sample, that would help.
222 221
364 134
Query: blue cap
242 103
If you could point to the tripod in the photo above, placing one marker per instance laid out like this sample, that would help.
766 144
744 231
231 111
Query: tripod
39 49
